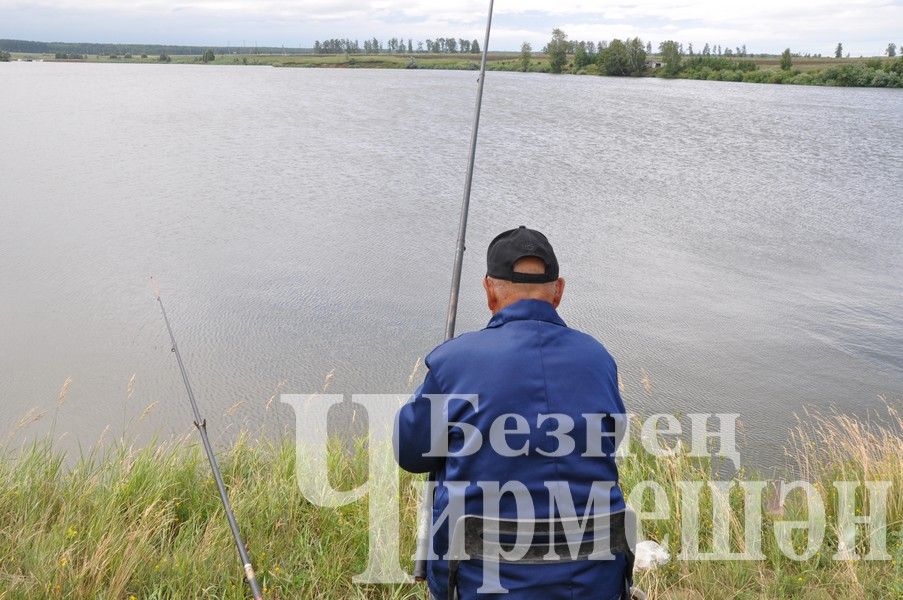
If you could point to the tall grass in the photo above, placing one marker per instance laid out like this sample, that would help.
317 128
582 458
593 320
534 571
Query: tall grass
146 523
822 449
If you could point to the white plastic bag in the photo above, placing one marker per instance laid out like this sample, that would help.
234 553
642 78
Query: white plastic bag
649 554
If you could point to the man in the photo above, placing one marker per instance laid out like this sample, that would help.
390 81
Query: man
512 396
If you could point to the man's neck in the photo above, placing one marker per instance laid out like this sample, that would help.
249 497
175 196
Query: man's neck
515 301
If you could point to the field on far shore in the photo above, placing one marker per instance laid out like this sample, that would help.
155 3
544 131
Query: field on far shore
503 61
807 65
370 61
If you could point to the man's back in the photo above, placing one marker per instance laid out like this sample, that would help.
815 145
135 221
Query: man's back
536 381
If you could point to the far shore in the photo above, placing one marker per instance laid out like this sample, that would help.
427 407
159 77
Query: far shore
844 72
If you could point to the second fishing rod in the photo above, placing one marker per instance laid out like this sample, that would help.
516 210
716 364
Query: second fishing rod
201 424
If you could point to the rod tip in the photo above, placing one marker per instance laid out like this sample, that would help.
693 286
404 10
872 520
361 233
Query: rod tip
154 286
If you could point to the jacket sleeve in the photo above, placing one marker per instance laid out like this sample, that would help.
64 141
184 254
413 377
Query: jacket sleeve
412 437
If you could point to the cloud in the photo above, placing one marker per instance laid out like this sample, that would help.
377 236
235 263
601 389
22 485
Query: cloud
865 26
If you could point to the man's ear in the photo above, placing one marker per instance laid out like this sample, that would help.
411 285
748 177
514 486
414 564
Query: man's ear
559 292
492 300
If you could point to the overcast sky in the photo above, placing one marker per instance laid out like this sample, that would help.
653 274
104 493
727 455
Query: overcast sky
864 26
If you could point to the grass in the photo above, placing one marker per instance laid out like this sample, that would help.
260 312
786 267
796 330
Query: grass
145 523
807 64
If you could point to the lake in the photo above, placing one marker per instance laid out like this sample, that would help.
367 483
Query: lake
737 247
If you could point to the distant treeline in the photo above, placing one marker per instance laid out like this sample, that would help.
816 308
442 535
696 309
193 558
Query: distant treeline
78 48
633 57
440 45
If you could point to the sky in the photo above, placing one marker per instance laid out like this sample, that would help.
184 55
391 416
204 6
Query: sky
865 27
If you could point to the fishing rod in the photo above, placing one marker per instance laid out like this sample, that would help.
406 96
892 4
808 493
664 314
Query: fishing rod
201 425
424 512
468 182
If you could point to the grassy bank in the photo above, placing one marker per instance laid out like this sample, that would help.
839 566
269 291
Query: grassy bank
126 523
844 72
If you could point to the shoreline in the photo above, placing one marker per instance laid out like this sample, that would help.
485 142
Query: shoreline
824 72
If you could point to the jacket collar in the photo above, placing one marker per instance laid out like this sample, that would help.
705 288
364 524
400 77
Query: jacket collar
526 310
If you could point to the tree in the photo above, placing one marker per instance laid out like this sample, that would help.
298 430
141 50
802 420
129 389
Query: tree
5 56
164 57
614 59
670 52
208 56
648 47
581 56
636 56
706 51
838 53
891 49
526 55
557 51
475 47
786 60
690 49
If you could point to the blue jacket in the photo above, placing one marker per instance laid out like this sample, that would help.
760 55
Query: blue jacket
527 362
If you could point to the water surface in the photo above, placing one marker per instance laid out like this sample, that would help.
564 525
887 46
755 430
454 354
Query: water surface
737 245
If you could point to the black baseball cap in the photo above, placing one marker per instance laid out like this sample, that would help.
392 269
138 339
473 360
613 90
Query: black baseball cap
509 247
